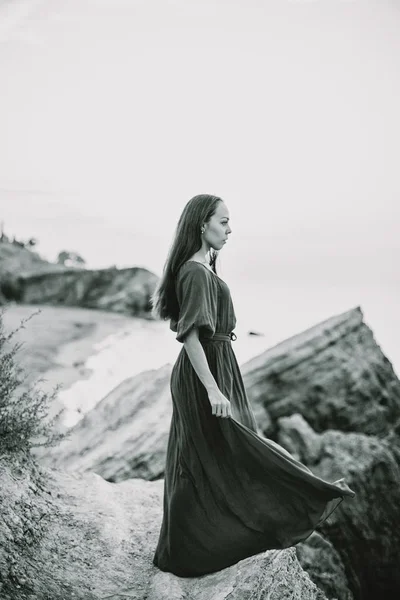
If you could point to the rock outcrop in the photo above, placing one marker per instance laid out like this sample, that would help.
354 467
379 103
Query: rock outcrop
69 535
364 530
125 291
334 374
124 436
274 575
322 562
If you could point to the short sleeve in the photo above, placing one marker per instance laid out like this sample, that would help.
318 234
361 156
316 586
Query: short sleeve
197 298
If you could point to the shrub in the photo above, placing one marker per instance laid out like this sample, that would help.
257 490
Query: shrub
28 515
24 422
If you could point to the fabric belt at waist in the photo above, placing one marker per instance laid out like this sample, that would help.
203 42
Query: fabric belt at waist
220 337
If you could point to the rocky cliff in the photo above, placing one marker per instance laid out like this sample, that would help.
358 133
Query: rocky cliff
68 535
16 259
26 278
365 531
334 374
124 436
125 291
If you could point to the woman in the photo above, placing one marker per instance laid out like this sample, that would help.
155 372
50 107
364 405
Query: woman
229 492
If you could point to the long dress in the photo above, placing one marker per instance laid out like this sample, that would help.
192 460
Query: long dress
229 493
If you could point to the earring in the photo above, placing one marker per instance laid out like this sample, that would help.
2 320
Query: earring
202 230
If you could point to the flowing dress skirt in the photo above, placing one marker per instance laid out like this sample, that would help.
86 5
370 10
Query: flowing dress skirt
230 493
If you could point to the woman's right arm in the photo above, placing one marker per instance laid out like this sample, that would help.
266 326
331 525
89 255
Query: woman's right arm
221 407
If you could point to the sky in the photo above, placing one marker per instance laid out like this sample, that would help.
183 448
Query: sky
114 113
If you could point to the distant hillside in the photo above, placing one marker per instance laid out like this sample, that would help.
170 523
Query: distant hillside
18 260
26 278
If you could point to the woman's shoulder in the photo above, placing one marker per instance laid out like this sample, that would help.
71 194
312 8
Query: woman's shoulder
193 271
192 266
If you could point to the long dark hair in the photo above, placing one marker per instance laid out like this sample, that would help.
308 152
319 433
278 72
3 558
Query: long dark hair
187 241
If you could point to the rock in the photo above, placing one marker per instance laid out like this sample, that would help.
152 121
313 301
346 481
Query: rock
334 374
322 562
125 435
274 575
305 444
81 537
363 530
125 291
89 538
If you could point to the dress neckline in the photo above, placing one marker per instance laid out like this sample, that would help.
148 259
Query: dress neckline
211 271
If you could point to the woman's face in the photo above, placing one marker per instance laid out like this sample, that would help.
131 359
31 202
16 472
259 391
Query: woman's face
217 229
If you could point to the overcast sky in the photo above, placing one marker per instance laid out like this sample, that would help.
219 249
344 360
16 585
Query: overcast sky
114 113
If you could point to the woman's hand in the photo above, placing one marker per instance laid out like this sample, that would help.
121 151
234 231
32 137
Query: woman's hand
221 407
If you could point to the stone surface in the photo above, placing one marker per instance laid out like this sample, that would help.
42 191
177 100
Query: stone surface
334 374
273 575
364 530
124 436
78 536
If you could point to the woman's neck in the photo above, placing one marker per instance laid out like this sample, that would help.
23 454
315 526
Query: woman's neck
202 259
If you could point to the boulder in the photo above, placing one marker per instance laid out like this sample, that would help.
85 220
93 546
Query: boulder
322 562
74 535
272 575
363 530
125 435
334 374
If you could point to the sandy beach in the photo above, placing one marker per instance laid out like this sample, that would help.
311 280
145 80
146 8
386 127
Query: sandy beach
58 341
90 352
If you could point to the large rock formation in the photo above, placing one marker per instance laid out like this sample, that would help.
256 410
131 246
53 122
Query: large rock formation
273 575
68 535
125 291
364 530
124 436
334 374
